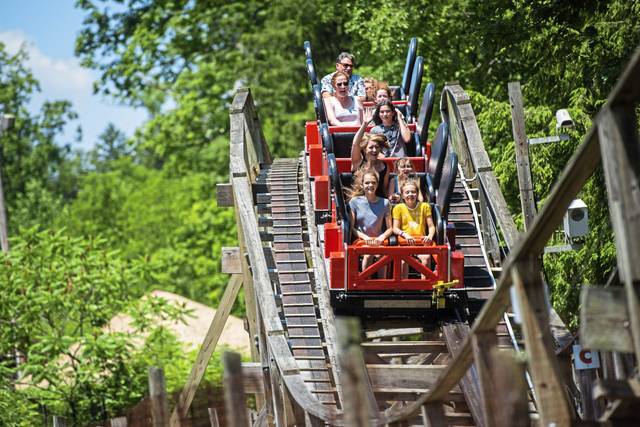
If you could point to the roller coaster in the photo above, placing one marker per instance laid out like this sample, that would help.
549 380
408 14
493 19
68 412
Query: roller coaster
423 349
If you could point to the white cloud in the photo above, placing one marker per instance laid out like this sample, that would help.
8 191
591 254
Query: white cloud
61 77
64 78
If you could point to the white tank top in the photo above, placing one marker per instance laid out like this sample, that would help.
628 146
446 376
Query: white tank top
347 116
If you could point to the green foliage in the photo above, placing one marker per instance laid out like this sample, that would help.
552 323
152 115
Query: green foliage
59 292
34 161
171 221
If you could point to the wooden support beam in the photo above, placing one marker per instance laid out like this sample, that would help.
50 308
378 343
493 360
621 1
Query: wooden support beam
206 350
119 422
213 417
231 260
482 343
455 334
433 414
617 389
158 395
511 400
620 149
224 195
234 399
59 421
603 316
551 398
359 404
525 181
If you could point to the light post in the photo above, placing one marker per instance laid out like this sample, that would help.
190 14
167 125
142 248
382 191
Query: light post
6 122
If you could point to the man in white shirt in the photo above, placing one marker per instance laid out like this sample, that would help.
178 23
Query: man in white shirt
345 62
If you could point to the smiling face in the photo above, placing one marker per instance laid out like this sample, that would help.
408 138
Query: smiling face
371 150
346 65
405 167
386 115
382 95
410 194
369 184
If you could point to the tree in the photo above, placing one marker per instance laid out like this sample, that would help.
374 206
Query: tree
59 292
33 160
112 145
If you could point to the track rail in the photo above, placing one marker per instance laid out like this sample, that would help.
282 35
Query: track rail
405 361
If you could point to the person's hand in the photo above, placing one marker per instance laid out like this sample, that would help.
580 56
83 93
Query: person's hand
399 114
368 116
373 242
427 240
409 238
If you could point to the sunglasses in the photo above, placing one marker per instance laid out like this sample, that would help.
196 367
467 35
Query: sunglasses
345 65
342 84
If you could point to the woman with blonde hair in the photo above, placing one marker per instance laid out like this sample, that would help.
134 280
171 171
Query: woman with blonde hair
370 214
403 168
365 154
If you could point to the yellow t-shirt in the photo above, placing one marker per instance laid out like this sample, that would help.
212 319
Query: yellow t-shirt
413 221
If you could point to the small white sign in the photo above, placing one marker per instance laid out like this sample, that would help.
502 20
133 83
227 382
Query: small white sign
585 359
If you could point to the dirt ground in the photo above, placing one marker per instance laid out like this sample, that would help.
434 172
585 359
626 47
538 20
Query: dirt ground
192 332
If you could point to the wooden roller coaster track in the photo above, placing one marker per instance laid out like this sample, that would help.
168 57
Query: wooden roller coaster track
312 369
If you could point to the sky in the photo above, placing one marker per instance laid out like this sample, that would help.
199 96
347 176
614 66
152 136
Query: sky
48 29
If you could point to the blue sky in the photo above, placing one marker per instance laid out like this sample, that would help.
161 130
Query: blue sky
49 28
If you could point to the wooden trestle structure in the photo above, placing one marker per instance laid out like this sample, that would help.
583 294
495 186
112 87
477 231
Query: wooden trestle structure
312 369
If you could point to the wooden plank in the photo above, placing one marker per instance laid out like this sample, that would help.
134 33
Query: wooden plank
231 260
390 333
158 395
483 342
602 313
454 336
551 398
206 349
359 405
525 182
620 148
510 400
387 347
224 195
118 422
234 399
433 415
404 376
213 417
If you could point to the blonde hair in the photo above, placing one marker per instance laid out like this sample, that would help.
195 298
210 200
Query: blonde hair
378 138
374 86
409 181
357 188
400 162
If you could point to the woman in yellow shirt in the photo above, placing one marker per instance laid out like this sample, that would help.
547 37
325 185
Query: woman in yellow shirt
412 221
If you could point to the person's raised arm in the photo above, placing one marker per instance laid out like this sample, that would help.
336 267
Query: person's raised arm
404 129
356 153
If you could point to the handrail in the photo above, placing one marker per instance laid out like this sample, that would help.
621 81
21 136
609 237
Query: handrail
248 151
579 168
455 107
